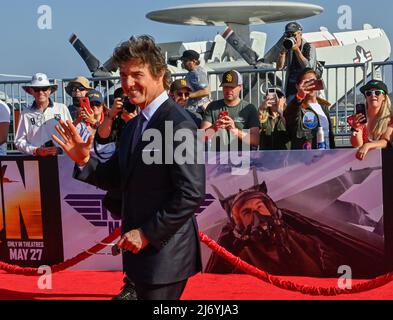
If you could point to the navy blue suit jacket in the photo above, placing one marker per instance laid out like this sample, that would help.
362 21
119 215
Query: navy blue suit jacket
158 198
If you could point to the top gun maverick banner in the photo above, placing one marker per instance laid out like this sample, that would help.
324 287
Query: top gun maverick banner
293 213
30 216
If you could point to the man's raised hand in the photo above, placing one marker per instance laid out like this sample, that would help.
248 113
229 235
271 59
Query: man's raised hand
72 143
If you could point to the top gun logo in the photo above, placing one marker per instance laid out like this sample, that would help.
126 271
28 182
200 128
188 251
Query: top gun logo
91 208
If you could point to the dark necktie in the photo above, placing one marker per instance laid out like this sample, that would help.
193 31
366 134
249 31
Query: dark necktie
138 132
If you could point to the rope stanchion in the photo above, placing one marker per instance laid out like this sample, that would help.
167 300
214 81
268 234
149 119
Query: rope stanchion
226 255
66 264
288 285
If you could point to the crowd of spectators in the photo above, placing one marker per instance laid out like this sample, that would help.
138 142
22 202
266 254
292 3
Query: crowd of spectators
296 117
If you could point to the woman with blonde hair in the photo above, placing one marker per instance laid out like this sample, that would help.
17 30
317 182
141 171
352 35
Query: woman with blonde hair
374 131
273 133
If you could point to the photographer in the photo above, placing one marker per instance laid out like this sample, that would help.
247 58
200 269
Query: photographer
116 118
296 54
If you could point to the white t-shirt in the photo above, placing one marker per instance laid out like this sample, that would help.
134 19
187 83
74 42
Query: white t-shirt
36 127
323 121
5 116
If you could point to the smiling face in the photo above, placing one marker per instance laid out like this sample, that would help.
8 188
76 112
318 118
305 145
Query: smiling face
41 95
139 84
181 96
375 98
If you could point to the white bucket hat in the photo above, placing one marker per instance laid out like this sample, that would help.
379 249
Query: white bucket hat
39 80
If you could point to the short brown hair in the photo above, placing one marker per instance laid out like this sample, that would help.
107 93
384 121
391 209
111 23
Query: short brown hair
142 48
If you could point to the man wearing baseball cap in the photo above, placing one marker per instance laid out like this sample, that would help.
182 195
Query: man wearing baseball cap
234 120
198 81
296 54
180 92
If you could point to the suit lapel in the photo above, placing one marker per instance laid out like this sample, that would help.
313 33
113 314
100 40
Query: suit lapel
154 123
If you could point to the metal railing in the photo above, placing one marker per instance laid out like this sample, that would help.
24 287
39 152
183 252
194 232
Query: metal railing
341 81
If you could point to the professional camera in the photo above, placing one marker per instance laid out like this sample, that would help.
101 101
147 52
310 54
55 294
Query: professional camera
128 106
289 42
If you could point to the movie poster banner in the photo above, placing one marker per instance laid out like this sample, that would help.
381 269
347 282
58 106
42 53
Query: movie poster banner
300 213
85 220
30 216
303 213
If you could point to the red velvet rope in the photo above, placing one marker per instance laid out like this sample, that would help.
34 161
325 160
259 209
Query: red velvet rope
222 252
66 264
288 285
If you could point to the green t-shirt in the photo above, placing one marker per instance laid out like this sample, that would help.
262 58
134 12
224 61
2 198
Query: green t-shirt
245 116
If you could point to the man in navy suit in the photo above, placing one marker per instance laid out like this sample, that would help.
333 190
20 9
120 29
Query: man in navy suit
159 230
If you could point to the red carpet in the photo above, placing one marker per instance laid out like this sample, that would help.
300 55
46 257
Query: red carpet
92 285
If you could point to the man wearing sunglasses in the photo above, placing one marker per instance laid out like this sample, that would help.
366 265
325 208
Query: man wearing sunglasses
77 88
37 122
180 91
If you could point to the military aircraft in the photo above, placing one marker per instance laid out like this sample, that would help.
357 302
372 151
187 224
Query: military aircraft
238 48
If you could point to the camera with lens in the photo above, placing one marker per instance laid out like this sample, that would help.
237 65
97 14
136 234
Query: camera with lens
289 42
128 106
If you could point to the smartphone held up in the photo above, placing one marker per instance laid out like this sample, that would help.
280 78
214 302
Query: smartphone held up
84 103
318 84
360 108
222 114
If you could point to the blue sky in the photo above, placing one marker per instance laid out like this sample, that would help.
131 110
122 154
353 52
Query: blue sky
101 25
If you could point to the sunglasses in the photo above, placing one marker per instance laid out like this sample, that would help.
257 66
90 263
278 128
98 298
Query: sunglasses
183 94
41 89
376 93
81 88
95 104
